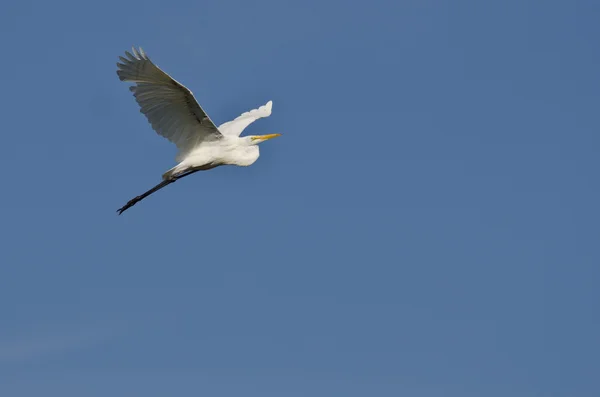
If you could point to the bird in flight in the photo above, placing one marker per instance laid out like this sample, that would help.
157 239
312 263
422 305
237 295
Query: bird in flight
173 112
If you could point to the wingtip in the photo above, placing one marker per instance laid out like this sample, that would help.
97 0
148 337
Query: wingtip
136 54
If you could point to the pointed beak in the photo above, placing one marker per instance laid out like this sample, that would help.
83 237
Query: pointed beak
263 138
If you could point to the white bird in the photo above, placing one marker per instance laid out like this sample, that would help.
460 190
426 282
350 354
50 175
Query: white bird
174 113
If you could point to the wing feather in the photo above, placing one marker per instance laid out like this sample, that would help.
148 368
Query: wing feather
236 126
169 106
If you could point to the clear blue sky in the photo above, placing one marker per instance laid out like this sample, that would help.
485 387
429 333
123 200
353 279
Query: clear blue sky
426 226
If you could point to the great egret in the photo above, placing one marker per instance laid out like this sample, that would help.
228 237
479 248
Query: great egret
174 113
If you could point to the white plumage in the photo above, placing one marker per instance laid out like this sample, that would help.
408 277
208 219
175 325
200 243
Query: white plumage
236 126
175 114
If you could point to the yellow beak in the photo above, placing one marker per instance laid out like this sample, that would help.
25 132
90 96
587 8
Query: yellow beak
265 137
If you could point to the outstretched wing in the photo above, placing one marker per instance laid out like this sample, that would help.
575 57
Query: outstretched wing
236 126
170 107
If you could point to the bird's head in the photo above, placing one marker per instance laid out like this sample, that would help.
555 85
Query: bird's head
256 139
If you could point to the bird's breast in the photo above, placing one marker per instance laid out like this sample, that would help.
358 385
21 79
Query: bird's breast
243 156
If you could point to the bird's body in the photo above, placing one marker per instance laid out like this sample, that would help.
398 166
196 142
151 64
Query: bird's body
174 113
226 151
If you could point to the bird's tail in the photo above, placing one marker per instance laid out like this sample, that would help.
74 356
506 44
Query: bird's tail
169 174
135 200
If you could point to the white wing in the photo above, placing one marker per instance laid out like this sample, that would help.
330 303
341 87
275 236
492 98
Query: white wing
170 107
236 126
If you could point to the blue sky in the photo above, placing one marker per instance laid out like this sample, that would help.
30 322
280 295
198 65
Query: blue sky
427 225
